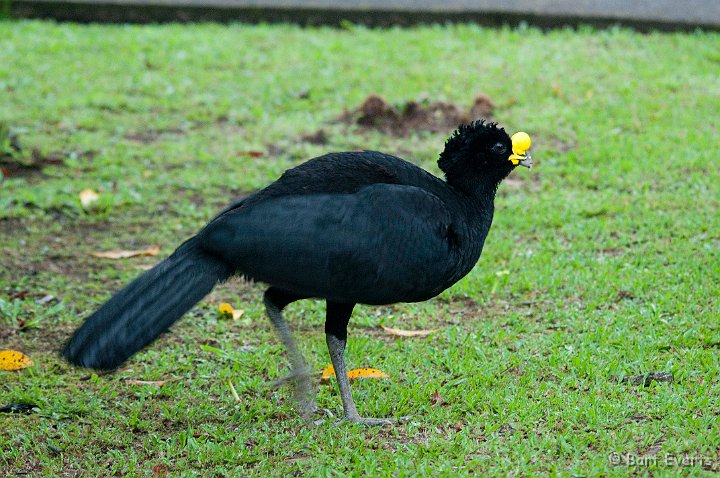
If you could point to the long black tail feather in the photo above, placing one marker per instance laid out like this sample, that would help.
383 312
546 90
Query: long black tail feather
145 308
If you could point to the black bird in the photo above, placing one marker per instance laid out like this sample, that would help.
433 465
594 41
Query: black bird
356 227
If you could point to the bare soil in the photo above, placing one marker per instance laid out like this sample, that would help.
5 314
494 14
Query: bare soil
375 113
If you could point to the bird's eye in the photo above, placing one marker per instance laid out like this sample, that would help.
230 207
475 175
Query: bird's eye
499 148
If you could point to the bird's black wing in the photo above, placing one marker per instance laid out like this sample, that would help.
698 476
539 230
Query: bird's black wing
385 243
346 172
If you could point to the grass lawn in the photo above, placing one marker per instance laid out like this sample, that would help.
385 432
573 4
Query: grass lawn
603 261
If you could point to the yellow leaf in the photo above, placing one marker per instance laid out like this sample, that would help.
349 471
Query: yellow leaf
12 360
87 197
122 254
329 371
409 333
367 373
226 310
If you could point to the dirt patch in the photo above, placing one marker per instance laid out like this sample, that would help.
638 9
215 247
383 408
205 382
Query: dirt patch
17 162
377 114
47 339
65 253
318 137
15 166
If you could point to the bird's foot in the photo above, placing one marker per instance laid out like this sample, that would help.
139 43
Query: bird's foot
304 396
373 422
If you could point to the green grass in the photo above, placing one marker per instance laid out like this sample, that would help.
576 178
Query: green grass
611 244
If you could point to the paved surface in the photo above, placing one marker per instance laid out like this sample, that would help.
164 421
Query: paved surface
642 14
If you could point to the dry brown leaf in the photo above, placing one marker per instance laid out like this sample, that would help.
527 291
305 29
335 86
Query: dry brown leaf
160 470
409 333
436 399
227 311
329 371
88 197
11 360
122 254
153 383
252 153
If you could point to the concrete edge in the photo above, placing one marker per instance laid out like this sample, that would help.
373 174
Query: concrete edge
147 13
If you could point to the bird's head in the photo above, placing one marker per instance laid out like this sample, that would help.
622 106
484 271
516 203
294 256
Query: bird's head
483 152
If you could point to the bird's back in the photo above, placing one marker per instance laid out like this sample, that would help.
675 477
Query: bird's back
352 227
345 172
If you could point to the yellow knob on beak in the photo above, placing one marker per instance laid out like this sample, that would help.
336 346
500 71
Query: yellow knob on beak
520 144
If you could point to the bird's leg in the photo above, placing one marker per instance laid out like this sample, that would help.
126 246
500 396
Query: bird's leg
336 322
275 301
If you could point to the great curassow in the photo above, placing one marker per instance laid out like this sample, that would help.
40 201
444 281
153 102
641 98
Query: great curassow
349 228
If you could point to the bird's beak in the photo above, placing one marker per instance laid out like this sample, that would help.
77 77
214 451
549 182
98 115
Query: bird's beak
520 144
521 160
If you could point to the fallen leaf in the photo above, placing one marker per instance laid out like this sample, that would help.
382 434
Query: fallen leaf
227 311
88 197
436 399
160 470
19 295
409 333
13 360
122 254
153 383
329 371
366 373
252 154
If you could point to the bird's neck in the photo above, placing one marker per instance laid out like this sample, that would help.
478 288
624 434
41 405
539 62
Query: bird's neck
480 191
478 198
